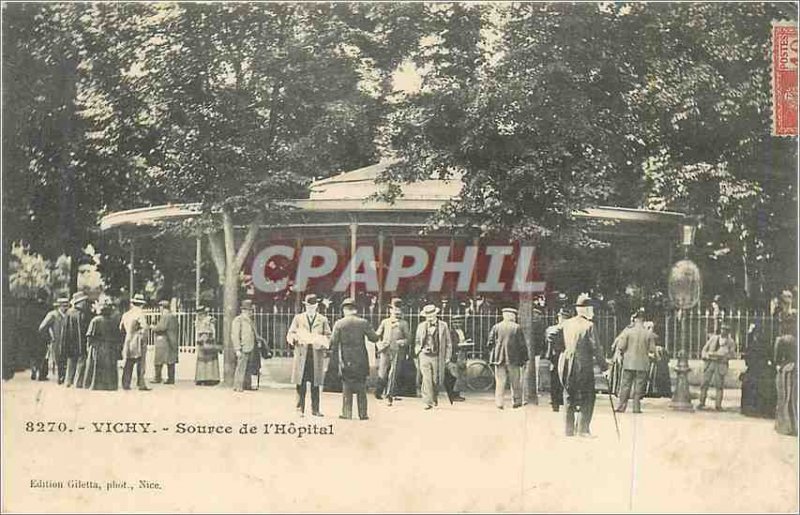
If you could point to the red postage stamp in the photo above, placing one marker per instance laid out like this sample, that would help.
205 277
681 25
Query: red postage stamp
784 78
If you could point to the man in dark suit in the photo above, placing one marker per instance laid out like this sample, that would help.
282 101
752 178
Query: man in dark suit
347 342
554 338
576 367
635 345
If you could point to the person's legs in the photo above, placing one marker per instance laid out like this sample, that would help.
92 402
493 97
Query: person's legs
585 415
72 364
722 371
391 375
361 397
158 375
556 390
500 376
170 373
61 365
315 399
127 373
426 368
708 375
301 396
80 372
238 375
515 381
383 373
639 389
347 400
625 389
569 416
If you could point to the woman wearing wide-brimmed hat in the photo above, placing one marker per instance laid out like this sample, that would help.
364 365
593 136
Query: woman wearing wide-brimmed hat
207 349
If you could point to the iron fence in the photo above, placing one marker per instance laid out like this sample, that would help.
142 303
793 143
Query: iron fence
273 325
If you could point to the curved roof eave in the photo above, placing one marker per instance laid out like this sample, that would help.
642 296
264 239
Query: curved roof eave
154 215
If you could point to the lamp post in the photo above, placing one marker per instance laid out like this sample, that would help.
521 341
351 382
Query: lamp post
684 292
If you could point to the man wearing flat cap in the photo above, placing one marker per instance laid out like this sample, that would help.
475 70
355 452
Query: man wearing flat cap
394 333
349 345
52 328
576 367
554 339
509 352
134 347
309 336
166 331
433 349
76 322
634 344
715 354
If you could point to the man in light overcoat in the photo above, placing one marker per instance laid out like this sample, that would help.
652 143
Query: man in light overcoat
309 336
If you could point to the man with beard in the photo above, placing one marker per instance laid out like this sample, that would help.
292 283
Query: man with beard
576 367
309 336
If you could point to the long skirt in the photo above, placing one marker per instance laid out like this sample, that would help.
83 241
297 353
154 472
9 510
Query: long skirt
759 393
102 371
207 371
786 413
659 383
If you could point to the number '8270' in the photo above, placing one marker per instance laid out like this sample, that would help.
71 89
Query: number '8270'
46 427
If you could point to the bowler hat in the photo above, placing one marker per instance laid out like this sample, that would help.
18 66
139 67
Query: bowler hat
311 299
138 299
348 302
430 309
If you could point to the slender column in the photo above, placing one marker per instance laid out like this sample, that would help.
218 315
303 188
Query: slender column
198 262
353 235
131 270
380 271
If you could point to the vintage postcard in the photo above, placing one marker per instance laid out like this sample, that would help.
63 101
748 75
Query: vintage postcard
350 257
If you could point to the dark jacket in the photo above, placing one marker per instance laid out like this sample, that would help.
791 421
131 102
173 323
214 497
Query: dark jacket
581 352
554 340
508 344
347 342
76 323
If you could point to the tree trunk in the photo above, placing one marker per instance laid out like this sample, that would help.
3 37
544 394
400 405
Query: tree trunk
230 302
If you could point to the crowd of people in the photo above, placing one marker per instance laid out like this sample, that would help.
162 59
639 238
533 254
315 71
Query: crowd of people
84 350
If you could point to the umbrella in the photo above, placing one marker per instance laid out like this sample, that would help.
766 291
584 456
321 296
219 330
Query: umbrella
449 383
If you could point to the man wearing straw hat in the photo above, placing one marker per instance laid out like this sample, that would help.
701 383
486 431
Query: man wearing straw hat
508 356
76 323
52 328
134 347
576 367
433 348
309 335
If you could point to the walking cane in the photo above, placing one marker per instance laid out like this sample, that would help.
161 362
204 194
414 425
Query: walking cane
613 411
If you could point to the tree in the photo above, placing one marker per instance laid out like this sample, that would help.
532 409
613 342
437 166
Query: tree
547 109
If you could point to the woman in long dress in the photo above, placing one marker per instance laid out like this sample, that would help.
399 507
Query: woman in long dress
758 381
659 383
786 361
103 341
207 371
